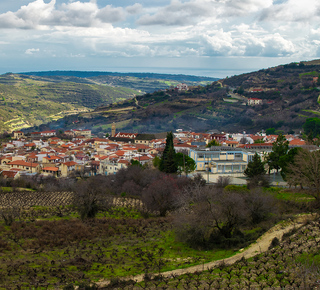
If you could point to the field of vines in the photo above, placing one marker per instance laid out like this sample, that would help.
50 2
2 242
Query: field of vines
50 247
292 263
45 245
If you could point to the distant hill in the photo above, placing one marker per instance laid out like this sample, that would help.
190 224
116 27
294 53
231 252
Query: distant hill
144 82
35 98
27 101
91 74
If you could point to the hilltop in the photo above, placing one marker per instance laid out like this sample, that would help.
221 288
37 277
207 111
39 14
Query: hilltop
146 82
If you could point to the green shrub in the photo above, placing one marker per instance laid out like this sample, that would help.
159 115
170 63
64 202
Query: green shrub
275 242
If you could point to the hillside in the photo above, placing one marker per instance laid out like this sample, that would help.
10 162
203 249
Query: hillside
27 101
289 95
32 99
144 82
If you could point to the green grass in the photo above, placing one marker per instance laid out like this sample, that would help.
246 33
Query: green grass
293 196
131 240
10 189
313 73
312 111
303 116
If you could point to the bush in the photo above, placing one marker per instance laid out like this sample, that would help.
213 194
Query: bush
275 242
10 214
91 195
223 181
258 181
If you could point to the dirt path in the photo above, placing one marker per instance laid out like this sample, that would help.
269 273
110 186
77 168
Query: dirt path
260 246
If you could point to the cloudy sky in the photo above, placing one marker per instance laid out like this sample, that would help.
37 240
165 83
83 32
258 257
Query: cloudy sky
201 37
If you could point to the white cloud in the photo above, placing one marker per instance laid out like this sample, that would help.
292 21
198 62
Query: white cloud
32 50
39 15
292 10
166 28
134 9
179 13
110 14
28 16
245 7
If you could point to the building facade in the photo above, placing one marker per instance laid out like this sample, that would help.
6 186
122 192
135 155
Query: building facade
218 159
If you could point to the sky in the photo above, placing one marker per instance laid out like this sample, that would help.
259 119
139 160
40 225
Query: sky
216 38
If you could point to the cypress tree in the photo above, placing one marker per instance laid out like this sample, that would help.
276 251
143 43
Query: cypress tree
168 161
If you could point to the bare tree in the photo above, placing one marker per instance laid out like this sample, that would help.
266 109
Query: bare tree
305 171
223 181
161 195
213 215
244 140
207 210
10 214
259 205
91 195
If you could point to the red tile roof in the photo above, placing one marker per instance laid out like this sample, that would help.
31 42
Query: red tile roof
70 163
297 142
51 168
23 163
9 173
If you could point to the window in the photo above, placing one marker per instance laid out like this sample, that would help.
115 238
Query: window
228 167
238 156
200 156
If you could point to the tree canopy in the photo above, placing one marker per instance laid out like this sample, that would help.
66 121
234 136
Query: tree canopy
213 143
185 163
305 171
255 167
312 126
287 160
279 148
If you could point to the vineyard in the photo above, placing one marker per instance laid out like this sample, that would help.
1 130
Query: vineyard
26 199
292 263
45 245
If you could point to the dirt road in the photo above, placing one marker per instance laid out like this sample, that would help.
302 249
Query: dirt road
260 246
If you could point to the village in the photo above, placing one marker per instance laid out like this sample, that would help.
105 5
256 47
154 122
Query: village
76 153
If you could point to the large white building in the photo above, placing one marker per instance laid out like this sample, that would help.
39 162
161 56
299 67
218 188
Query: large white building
218 159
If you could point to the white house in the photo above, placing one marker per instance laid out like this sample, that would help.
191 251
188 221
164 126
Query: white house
254 102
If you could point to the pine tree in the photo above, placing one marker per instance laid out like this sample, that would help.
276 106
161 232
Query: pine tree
255 167
168 162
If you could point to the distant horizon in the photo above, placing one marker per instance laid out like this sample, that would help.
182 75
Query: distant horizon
219 67
218 73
